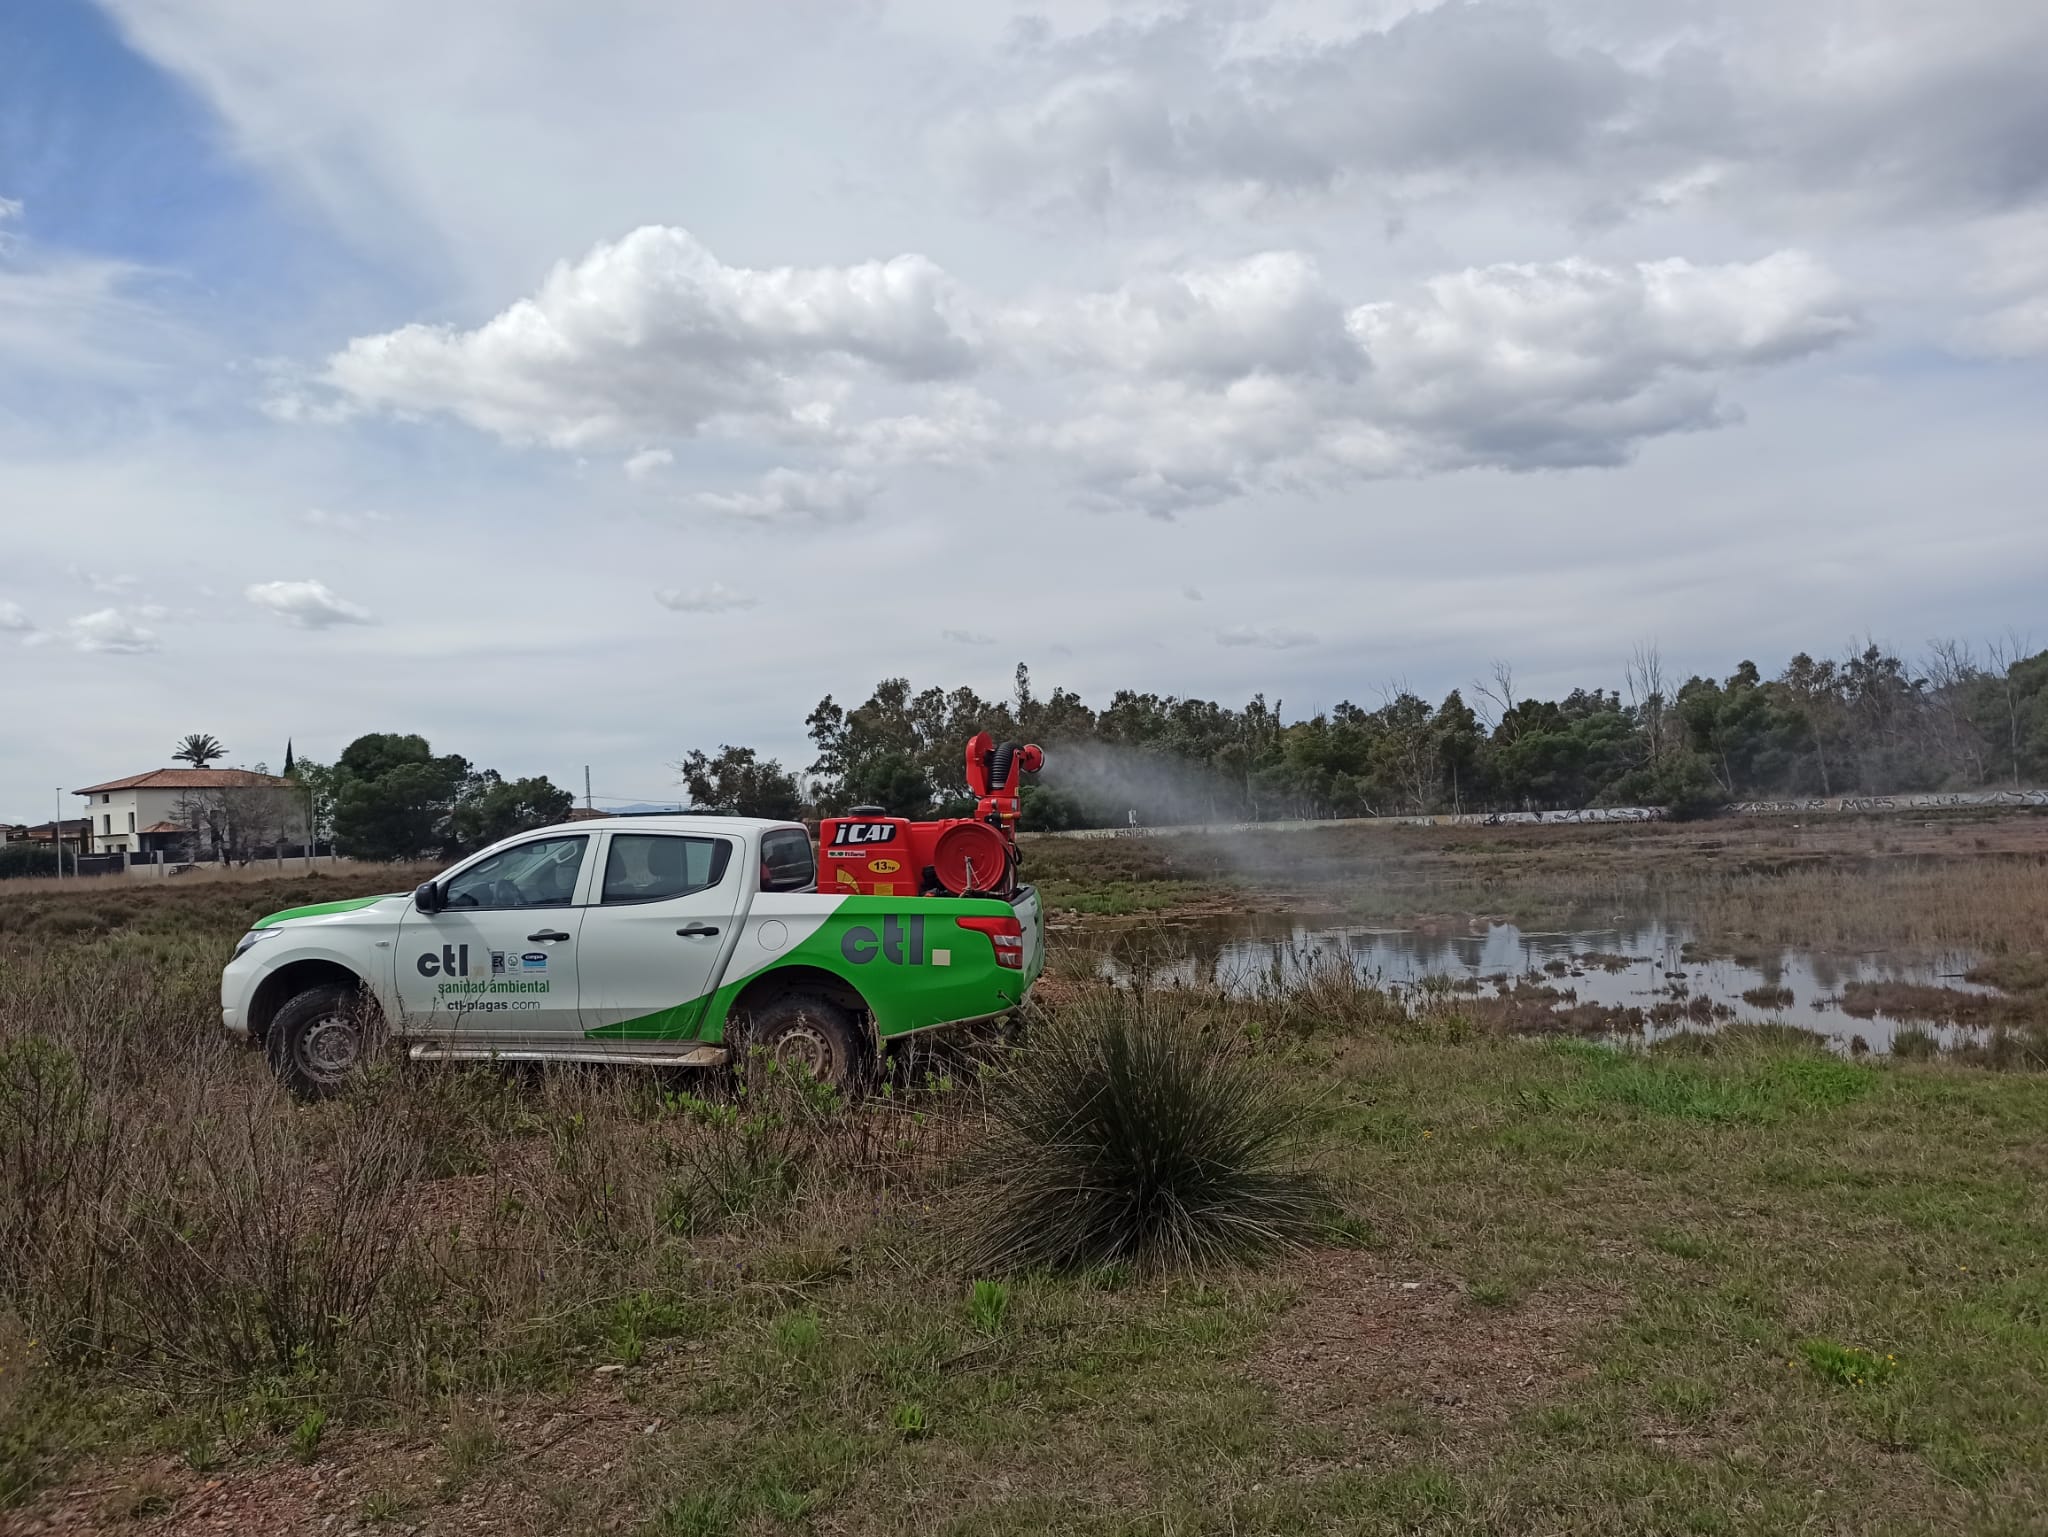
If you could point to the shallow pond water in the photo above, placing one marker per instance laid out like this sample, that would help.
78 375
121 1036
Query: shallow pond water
1631 965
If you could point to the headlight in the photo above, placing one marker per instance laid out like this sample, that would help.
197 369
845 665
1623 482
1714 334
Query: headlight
251 939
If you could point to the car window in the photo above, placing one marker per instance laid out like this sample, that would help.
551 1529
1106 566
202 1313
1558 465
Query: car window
538 874
786 861
651 867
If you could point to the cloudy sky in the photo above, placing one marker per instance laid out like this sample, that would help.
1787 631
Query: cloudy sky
582 381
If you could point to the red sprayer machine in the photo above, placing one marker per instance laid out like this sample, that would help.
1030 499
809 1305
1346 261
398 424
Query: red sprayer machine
873 854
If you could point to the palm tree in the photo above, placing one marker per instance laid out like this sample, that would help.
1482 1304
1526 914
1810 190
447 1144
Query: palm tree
199 749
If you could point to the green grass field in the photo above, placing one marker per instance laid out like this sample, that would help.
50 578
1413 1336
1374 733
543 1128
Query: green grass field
1731 1284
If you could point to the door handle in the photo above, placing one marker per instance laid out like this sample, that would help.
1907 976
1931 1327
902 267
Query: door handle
697 931
545 937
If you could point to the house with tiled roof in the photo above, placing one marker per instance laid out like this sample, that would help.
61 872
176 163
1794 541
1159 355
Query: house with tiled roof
154 812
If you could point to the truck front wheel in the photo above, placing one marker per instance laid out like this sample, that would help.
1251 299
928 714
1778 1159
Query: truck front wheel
804 1032
316 1039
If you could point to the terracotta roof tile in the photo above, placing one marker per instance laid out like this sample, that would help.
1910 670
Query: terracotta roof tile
188 779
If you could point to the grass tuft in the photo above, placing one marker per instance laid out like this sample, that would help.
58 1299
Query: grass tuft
1848 1366
988 1304
1129 1133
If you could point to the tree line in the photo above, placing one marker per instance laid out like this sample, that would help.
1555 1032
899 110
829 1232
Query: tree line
1868 722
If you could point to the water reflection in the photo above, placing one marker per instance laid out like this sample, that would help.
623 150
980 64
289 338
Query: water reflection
1636 964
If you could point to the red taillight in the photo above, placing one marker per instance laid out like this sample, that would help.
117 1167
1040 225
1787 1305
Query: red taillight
1006 934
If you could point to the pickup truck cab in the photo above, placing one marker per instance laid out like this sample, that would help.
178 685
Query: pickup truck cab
645 940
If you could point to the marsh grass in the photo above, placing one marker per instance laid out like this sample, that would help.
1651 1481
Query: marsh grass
1746 887
1133 1133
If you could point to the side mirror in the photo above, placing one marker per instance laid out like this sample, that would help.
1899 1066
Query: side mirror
427 897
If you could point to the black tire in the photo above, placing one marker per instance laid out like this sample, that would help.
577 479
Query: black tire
806 1033
317 1038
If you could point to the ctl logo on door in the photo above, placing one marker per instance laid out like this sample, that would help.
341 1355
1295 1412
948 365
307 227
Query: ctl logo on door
453 961
901 943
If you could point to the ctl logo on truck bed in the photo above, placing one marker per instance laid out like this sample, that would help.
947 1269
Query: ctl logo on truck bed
901 943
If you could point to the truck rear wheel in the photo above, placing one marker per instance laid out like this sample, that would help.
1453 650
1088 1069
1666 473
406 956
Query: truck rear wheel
805 1033
316 1039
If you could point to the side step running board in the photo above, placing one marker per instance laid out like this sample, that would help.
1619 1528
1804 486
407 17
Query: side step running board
625 1054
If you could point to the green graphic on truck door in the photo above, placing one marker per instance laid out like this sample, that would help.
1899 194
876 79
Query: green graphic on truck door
908 957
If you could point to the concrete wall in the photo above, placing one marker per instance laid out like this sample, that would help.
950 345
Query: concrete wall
145 807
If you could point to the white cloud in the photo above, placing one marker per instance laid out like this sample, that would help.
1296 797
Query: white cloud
309 605
795 496
1572 362
1269 637
961 427
715 599
107 630
1515 366
1180 98
967 637
110 584
14 620
1594 112
652 334
648 463
1214 320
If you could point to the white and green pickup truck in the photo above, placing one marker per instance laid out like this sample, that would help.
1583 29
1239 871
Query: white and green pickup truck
646 940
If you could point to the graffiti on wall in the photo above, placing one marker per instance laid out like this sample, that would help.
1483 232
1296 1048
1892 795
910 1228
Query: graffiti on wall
1954 800
1945 800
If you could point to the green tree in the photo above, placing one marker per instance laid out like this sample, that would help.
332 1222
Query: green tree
893 781
1460 748
862 748
1812 692
394 799
740 781
491 808
2009 706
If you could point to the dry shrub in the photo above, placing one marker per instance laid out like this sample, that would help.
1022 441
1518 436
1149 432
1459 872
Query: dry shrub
271 1247
203 1230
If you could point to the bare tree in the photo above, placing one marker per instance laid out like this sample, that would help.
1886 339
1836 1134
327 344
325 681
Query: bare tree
1497 704
2003 655
230 825
1951 669
1647 696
